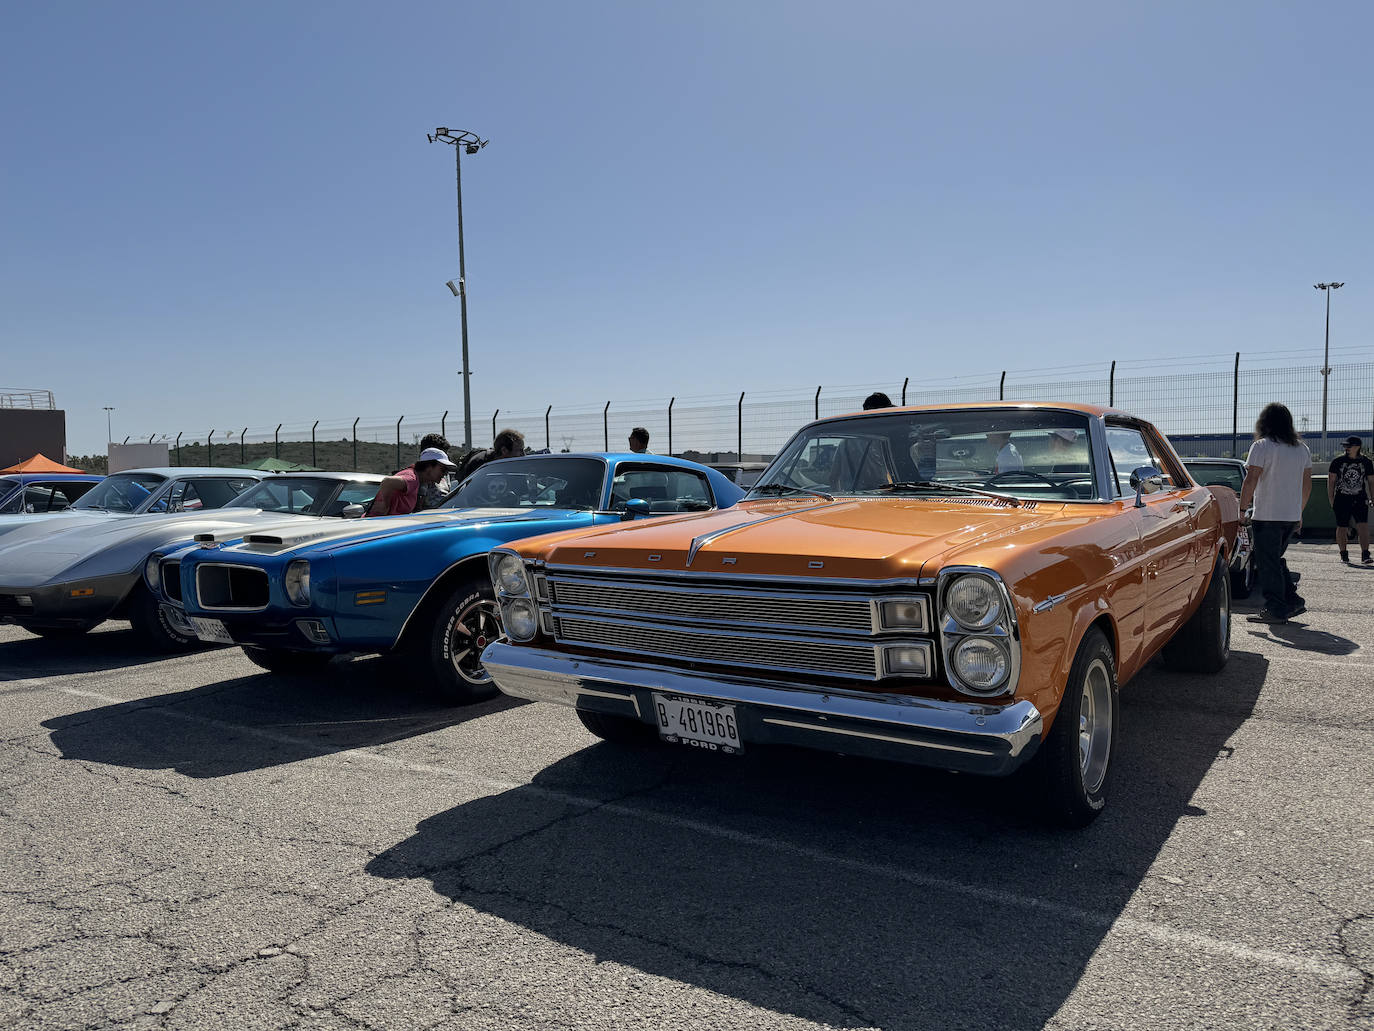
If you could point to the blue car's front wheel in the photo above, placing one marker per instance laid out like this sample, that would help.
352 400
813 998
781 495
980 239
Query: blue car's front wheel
465 623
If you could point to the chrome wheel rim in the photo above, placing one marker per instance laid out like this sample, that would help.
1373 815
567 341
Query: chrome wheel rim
476 626
1224 623
1095 726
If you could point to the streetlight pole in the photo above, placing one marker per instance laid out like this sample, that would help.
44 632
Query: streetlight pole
461 140
109 433
1328 289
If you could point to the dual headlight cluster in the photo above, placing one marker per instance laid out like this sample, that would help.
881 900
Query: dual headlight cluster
978 633
519 612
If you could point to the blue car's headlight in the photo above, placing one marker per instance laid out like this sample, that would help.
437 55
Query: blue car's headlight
152 572
297 582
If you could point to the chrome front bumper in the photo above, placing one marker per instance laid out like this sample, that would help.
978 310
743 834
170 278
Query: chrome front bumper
969 736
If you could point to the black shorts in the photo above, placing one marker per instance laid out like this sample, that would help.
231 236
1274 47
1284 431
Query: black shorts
1351 506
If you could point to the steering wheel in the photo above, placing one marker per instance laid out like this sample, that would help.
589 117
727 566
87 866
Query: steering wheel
995 477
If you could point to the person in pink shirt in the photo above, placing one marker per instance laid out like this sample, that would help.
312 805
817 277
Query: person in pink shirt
399 494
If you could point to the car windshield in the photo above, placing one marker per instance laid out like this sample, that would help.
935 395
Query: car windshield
1023 453
122 492
532 483
296 495
1217 474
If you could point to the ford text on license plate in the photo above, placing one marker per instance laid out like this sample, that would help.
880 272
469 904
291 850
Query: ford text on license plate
211 630
697 722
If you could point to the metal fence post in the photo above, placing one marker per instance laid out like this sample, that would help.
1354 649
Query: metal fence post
1235 407
209 448
671 401
126 439
179 447
313 459
276 442
1111 387
739 429
243 447
493 423
1002 387
816 404
904 383
443 427
398 441
355 444
547 445
606 426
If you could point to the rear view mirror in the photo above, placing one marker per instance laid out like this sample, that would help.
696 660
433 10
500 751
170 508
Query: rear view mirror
353 512
636 508
1146 480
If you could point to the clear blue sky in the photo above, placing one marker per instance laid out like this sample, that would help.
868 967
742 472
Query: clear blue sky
228 214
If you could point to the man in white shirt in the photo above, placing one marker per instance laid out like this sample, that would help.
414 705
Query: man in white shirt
1278 478
1008 458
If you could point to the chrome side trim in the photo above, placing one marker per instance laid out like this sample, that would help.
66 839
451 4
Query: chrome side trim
709 538
1049 603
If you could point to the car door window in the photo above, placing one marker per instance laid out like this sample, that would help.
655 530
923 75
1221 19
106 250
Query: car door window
666 490
352 494
1131 449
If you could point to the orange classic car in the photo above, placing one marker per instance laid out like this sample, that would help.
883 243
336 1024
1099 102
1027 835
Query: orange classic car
963 586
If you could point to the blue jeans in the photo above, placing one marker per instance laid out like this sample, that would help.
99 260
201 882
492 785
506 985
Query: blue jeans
1270 540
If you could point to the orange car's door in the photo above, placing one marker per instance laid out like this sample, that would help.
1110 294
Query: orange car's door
1167 526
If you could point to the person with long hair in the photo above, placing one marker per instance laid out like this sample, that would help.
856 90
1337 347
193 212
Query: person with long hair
1278 479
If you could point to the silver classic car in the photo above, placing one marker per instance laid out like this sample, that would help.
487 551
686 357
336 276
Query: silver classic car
63 576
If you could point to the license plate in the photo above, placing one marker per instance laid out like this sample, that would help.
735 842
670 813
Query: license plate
211 630
697 722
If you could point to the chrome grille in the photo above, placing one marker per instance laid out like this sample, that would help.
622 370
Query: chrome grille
815 612
832 658
170 572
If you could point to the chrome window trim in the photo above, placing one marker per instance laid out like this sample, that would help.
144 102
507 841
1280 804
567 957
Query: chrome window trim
952 634
200 595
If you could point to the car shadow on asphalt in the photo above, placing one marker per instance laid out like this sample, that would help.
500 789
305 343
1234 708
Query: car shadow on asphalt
88 653
844 891
257 722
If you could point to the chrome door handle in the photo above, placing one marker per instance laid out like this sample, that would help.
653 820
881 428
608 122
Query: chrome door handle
1190 505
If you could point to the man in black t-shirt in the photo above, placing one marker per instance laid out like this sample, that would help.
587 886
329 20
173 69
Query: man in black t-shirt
1349 486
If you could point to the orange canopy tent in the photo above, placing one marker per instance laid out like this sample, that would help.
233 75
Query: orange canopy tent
40 464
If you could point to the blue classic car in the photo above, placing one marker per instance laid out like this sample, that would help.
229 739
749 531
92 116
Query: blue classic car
416 585
36 493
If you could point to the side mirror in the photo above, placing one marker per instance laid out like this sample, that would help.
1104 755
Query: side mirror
353 512
1146 480
636 508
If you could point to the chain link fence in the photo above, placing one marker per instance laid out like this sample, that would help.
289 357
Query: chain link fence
1207 408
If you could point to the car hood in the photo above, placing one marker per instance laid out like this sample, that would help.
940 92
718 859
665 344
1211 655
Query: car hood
334 538
83 546
44 522
872 538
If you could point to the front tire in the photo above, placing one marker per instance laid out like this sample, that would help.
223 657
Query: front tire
1203 644
152 626
1074 764
464 624
620 729
285 661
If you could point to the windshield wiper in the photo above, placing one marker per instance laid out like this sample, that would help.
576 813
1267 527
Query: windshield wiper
955 488
787 488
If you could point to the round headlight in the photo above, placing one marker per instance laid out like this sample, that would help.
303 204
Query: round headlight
521 619
510 575
973 601
296 582
151 573
981 663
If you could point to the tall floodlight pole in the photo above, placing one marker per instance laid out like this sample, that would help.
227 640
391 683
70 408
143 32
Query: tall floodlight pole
109 433
1327 289
461 140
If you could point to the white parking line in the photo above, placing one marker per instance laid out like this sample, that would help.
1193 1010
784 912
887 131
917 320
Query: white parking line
1122 926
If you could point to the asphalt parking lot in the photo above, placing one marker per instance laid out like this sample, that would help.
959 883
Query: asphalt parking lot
193 843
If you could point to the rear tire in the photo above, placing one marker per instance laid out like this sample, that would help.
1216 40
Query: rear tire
1074 764
450 654
1203 644
285 661
151 625
621 729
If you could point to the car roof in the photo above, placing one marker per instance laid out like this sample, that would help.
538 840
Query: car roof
300 475
30 477
176 471
1056 406
606 456
1212 461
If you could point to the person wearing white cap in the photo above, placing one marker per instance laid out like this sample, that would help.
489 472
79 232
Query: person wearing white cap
399 494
